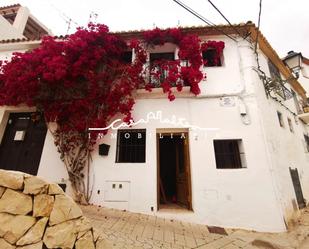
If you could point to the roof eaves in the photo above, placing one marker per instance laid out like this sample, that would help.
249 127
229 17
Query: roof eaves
267 49
10 6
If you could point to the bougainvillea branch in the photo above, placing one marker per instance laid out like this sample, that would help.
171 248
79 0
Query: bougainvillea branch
83 81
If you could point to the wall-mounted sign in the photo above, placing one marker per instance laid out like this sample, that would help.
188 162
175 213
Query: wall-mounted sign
227 101
19 135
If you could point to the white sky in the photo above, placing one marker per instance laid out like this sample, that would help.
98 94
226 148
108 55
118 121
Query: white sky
285 23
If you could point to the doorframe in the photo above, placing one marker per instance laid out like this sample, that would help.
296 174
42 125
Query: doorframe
174 131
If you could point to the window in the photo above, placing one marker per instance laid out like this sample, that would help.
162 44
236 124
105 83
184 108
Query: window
276 77
273 70
126 57
155 69
306 142
131 145
290 125
280 118
210 58
229 154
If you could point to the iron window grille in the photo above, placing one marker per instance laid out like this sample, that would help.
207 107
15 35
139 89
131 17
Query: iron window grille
154 67
275 85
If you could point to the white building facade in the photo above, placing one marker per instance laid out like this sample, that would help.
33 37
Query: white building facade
234 172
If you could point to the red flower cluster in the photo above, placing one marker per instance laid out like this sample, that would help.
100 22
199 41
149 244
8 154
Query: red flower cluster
79 82
186 70
218 50
159 37
83 81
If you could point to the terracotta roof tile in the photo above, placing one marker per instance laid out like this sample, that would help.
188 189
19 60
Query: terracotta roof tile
16 40
201 30
10 6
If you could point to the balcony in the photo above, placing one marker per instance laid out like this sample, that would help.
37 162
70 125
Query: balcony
305 115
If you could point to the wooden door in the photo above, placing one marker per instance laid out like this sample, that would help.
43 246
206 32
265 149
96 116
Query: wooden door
297 188
22 143
183 183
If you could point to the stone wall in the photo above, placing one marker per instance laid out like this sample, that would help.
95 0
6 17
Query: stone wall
35 214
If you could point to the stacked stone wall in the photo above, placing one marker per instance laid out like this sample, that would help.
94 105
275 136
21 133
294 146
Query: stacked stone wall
35 214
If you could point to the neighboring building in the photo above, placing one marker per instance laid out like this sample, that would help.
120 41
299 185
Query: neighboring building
16 22
251 172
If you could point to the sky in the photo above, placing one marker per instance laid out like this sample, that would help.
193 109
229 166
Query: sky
284 23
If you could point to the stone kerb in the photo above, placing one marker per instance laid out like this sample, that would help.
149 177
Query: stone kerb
35 214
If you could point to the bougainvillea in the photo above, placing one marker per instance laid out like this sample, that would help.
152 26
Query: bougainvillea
83 81
183 71
216 48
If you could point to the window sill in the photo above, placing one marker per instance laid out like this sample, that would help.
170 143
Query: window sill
157 93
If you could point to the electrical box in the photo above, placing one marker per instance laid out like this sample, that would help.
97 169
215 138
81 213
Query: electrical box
103 149
118 191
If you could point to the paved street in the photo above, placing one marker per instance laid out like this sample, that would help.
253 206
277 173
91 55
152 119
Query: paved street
131 230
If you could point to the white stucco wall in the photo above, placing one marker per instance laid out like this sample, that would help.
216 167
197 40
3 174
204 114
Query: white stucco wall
256 197
242 198
7 31
286 148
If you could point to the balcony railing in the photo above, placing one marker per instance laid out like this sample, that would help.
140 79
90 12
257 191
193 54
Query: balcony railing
305 115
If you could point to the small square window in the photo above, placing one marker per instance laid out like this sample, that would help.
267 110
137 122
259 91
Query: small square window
229 154
126 57
280 118
211 59
273 70
290 125
306 142
131 146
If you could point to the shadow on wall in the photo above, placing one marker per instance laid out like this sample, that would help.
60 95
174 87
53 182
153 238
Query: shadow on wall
36 214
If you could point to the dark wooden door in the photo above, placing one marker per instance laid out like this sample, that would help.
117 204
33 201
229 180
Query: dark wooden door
22 143
297 188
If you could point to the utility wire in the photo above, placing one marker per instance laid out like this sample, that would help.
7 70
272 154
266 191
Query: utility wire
258 28
257 38
66 18
193 12
217 9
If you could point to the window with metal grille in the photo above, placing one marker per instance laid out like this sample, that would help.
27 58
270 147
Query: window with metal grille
276 77
229 154
273 70
210 58
280 118
290 125
306 142
155 59
131 146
